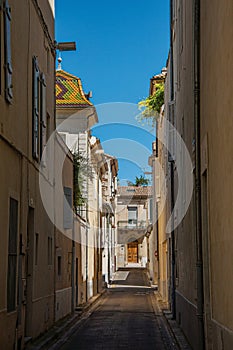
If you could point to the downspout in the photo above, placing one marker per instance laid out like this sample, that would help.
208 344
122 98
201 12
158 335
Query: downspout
108 242
98 233
87 221
173 259
73 266
199 262
54 200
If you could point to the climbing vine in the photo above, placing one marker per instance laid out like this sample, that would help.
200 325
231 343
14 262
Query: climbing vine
82 171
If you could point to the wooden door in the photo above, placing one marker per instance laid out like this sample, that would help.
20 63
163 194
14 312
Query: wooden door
133 252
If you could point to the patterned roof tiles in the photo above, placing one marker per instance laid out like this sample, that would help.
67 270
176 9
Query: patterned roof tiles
69 92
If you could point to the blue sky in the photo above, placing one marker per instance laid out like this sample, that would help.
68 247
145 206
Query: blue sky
120 46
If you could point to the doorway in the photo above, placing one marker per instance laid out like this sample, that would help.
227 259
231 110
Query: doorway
29 271
76 282
133 252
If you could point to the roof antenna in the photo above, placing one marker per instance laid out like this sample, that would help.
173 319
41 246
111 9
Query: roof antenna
59 62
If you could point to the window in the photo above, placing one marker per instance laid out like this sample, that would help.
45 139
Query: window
12 255
172 133
67 208
36 91
50 251
39 111
132 216
7 48
43 113
151 210
36 248
59 266
181 27
174 9
48 60
47 127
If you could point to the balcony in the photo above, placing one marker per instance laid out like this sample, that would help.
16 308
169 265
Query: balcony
132 224
131 230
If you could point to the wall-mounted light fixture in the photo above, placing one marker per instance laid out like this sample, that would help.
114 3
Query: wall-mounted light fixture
66 46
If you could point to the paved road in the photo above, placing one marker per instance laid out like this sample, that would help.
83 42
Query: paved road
127 317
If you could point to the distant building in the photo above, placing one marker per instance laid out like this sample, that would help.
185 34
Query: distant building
75 115
108 217
133 219
159 254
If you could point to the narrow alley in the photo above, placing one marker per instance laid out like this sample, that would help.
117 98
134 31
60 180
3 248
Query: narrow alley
126 317
116 175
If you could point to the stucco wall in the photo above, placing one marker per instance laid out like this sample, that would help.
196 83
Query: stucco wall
216 136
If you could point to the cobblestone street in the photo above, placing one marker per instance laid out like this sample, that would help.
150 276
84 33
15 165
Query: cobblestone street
126 317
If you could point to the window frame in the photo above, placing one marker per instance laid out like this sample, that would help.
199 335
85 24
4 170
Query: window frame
39 111
7 52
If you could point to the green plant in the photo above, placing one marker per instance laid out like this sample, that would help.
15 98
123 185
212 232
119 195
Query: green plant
141 181
152 104
82 171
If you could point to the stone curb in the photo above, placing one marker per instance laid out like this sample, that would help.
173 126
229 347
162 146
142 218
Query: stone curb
47 339
173 326
176 331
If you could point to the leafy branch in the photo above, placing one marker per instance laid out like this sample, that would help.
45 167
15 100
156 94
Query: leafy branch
152 104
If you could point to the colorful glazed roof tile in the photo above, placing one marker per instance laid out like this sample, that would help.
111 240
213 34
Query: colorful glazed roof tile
69 91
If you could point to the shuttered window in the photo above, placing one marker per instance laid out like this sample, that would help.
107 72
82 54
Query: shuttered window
7 49
67 208
172 132
12 255
50 251
43 113
36 106
36 248
39 112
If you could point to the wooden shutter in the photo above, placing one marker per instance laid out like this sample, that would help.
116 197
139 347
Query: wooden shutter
172 141
35 111
7 48
67 208
43 113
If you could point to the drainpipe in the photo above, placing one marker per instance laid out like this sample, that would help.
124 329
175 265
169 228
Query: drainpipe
73 266
173 259
87 221
108 233
173 256
199 263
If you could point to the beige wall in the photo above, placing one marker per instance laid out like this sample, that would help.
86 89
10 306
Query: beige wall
216 169
63 247
185 241
217 149
19 175
186 287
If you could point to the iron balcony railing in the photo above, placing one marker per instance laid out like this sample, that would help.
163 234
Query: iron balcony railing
132 224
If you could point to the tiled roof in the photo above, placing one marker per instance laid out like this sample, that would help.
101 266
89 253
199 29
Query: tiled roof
134 191
69 92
